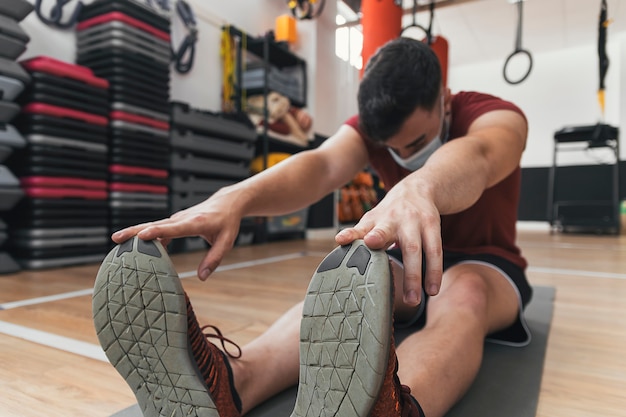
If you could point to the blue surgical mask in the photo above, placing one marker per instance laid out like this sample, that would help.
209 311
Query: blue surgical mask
419 158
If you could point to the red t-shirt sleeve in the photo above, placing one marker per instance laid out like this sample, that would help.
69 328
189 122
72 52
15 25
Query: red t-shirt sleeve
468 106
354 123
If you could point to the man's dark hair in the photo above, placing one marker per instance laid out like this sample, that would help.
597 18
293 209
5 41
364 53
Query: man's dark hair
401 76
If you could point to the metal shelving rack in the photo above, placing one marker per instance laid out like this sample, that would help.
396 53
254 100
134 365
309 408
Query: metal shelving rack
271 54
585 215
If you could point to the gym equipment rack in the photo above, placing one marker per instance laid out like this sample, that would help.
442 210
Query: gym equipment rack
568 210
62 169
128 44
13 80
209 151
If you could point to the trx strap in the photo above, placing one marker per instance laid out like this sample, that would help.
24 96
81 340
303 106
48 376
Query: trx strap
603 59
188 45
56 14
518 48
414 24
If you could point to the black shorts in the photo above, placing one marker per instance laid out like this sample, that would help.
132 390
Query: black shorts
518 333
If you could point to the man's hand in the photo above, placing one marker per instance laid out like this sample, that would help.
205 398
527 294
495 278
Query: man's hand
411 221
215 220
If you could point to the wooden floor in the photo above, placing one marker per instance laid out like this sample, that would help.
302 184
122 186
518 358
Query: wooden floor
585 367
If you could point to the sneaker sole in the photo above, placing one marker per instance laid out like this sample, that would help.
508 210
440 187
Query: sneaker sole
345 334
140 315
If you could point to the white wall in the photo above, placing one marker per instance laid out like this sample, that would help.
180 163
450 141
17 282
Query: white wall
202 87
332 82
329 104
560 91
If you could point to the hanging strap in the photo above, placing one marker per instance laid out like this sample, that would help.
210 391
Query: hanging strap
603 58
602 55
56 14
518 48
414 24
187 47
429 33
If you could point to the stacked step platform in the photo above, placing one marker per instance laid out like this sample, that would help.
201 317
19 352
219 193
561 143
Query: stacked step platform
128 44
209 151
63 168
13 80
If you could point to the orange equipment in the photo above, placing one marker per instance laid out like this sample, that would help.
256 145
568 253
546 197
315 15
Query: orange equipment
381 22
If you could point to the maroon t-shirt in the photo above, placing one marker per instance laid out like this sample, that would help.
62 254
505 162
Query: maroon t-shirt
488 226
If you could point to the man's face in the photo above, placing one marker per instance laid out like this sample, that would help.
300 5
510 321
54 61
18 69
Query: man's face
420 128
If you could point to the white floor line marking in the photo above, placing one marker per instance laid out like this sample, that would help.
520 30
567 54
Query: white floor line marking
54 341
87 349
318 254
264 261
247 264
605 247
577 272
45 299
188 274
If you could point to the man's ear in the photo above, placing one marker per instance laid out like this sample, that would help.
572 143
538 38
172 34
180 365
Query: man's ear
447 100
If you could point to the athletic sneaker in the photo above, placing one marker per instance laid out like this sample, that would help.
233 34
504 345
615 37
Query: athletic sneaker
348 363
150 334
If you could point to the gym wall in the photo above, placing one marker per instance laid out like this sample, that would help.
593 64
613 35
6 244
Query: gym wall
201 88
561 91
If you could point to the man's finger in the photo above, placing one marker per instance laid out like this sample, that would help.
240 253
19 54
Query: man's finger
125 234
412 260
433 253
350 234
214 256
434 263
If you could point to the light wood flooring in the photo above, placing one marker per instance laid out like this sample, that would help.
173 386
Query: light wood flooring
585 367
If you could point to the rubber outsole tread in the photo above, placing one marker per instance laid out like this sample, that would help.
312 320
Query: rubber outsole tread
345 334
140 316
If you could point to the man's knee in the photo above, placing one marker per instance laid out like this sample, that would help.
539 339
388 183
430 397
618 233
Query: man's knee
476 292
467 295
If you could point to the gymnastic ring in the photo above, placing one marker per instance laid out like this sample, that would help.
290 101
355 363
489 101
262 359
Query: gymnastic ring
506 63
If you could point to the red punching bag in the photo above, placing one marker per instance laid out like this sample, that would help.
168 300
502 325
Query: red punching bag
381 21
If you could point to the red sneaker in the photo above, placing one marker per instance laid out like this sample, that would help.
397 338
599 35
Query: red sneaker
149 332
213 364
348 363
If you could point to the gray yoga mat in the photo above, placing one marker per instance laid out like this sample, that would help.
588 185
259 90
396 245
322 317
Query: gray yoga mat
507 384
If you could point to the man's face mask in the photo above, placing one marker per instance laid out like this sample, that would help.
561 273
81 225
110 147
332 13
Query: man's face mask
419 158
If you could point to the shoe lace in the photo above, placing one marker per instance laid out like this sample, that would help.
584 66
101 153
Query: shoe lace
409 407
217 334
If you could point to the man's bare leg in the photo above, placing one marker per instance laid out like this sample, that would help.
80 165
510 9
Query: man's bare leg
270 363
440 362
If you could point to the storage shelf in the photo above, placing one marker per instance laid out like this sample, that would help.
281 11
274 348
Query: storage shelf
276 145
278 56
272 55
585 215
